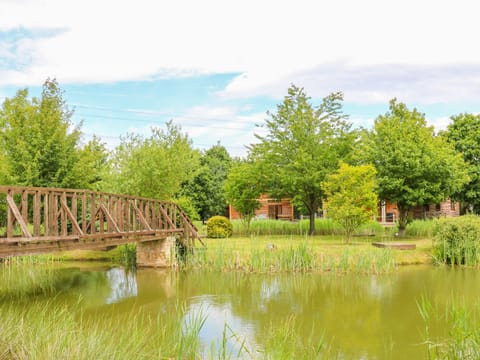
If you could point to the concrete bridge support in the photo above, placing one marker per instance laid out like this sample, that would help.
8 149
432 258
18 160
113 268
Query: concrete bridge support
156 253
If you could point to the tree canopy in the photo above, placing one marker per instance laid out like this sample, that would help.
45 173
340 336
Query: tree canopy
39 146
464 133
206 188
351 196
154 166
414 166
301 146
242 189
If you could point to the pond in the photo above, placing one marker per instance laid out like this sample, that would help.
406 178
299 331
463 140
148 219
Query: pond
358 316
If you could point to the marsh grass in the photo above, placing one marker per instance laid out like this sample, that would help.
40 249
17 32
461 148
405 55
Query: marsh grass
47 330
457 241
283 342
461 337
281 227
289 255
42 330
421 228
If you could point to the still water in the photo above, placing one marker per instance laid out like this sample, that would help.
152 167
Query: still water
360 316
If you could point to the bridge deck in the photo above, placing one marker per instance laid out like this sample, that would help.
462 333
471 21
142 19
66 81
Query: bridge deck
38 220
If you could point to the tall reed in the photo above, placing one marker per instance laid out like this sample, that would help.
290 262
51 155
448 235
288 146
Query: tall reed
298 257
281 227
457 240
42 330
461 337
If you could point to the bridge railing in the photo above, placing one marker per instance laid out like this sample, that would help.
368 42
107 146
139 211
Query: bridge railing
51 214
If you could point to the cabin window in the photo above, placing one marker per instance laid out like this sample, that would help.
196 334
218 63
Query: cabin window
452 205
437 207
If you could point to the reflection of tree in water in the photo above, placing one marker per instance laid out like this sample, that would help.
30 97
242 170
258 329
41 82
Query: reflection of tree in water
123 284
27 282
352 310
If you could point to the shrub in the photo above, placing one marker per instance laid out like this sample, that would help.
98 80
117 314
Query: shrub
457 240
219 227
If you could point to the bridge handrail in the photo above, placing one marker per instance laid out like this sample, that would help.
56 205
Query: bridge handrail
59 213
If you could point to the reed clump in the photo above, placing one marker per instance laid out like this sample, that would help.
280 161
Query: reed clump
421 228
298 257
323 226
461 337
457 240
40 330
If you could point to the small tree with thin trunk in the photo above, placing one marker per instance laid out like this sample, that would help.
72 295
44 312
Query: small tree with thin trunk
242 190
351 197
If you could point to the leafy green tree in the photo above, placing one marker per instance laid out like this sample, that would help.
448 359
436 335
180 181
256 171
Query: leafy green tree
301 147
40 147
94 166
242 189
206 188
414 166
154 166
464 133
351 196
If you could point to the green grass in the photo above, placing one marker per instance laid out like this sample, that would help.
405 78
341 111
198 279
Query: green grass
457 241
269 254
461 337
42 331
281 227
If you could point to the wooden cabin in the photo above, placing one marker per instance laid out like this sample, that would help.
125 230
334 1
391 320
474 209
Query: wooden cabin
270 209
388 212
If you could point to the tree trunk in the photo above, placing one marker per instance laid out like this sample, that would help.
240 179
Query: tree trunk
312 223
402 221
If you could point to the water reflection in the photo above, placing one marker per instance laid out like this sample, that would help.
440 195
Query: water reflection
373 317
123 284
221 324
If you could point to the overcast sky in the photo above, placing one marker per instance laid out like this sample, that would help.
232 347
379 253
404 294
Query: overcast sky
216 67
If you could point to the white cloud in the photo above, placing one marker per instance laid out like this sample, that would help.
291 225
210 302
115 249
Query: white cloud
439 123
371 83
226 124
372 50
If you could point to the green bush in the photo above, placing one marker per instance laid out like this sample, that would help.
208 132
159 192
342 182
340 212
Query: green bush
457 240
219 227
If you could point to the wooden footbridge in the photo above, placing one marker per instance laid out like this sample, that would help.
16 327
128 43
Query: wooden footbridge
39 220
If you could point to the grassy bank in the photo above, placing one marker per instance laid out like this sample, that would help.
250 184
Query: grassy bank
302 254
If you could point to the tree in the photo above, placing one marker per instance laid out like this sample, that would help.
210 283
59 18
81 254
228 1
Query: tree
464 134
414 166
155 166
242 189
94 165
39 145
351 196
206 188
301 147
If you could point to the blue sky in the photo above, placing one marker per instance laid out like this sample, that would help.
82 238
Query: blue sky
215 67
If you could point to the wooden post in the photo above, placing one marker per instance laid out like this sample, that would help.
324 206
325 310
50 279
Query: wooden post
63 215
84 212
101 216
25 205
93 211
36 213
10 218
46 214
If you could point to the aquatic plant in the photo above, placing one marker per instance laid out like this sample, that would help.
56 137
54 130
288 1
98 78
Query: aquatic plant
296 257
457 240
281 227
461 339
